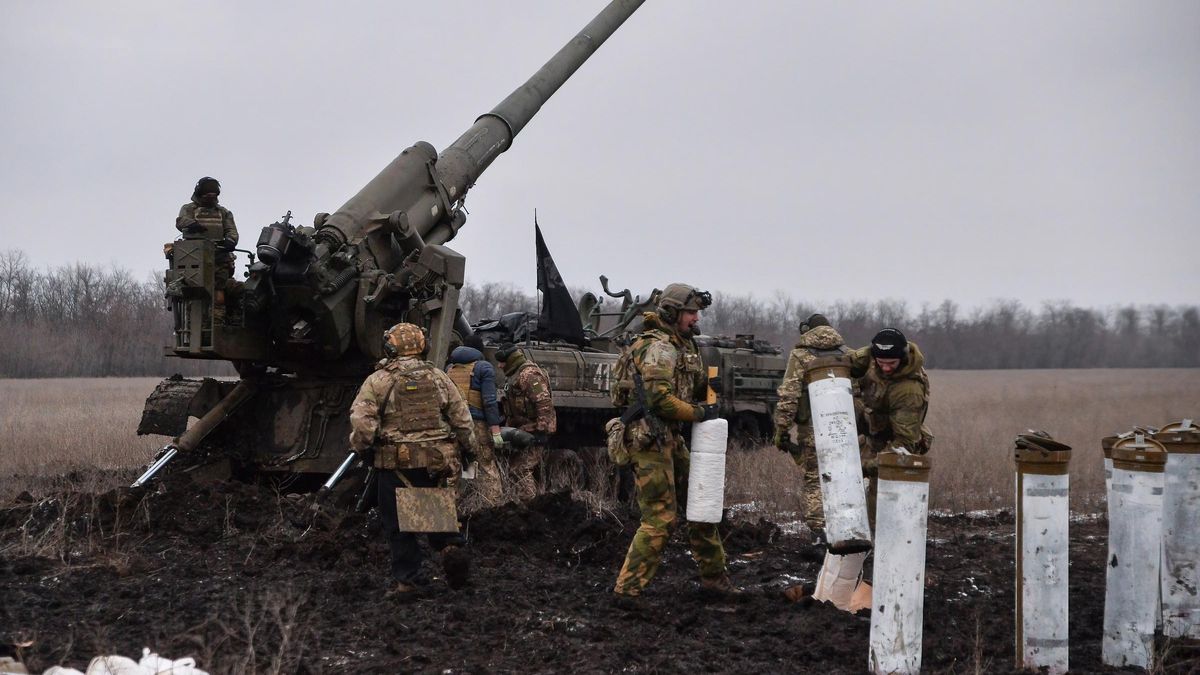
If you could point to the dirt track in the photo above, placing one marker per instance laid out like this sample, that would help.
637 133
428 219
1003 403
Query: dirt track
219 572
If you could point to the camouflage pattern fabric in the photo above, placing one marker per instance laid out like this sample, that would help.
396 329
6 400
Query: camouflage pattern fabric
793 408
661 478
793 404
522 465
894 405
528 404
673 376
406 339
409 404
487 472
218 225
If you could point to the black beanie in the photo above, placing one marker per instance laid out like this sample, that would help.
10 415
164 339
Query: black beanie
889 343
812 322
505 351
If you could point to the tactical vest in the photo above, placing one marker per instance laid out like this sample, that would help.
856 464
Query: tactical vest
415 404
213 220
874 397
460 374
517 405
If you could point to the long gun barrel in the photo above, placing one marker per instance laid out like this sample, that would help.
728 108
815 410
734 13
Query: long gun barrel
404 185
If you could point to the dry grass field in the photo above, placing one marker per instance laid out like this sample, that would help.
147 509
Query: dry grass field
52 427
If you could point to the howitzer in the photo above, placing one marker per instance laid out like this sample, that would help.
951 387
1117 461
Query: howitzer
306 325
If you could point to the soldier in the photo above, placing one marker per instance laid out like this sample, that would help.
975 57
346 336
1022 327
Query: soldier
667 365
204 218
817 338
529 407
476 381
895 395
416 421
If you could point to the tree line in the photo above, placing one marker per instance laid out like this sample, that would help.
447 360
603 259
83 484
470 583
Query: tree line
84 320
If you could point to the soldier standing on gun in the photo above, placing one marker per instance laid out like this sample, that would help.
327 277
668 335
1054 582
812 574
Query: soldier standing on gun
204 218
895 395
817 339
416 421
529 407
476 381
671 374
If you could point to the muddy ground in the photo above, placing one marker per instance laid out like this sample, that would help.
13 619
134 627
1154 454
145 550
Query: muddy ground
219 571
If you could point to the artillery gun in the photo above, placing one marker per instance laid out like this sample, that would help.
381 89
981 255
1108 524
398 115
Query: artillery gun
308 326
751 370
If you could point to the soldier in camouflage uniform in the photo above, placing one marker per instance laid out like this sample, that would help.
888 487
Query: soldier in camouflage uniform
673 377
817 339
204 218
413 417
895 395
529 407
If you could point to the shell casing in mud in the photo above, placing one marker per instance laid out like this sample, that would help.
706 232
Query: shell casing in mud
706 473
898 604
1181 536
1134 552
1043 556
835 435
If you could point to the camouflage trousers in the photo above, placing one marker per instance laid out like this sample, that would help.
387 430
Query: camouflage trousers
521 465
661 478
487 473
810 480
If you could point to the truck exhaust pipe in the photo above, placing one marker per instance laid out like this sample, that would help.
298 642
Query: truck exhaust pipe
1043 524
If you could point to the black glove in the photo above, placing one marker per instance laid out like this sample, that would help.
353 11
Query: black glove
715 383
193 226
709 411
468 454
226 245
367 456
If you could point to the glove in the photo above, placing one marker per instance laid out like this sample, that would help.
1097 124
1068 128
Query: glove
708 411
193 226
226 245
453 471
716 383
780 440
497 440
367 456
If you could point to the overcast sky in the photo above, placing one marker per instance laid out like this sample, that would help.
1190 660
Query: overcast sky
866 150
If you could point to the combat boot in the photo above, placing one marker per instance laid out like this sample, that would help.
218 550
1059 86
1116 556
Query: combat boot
629 602
456 565
719 586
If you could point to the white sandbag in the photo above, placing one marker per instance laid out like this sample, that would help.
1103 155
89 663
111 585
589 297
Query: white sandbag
59 670
706 487
710 437
835 435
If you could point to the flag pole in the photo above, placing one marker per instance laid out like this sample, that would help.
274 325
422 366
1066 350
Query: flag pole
537 289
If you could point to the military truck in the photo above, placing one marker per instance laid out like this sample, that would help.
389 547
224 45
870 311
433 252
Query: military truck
307 328
751 370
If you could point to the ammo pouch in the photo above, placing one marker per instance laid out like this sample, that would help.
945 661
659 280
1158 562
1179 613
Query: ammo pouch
618 454
429 455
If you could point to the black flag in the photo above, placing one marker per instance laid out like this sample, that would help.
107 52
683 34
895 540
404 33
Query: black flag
559 318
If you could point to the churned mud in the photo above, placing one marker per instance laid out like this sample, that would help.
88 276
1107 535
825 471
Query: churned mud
240 577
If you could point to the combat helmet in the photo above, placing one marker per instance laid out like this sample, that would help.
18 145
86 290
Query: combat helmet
404 339
205 185
681 297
